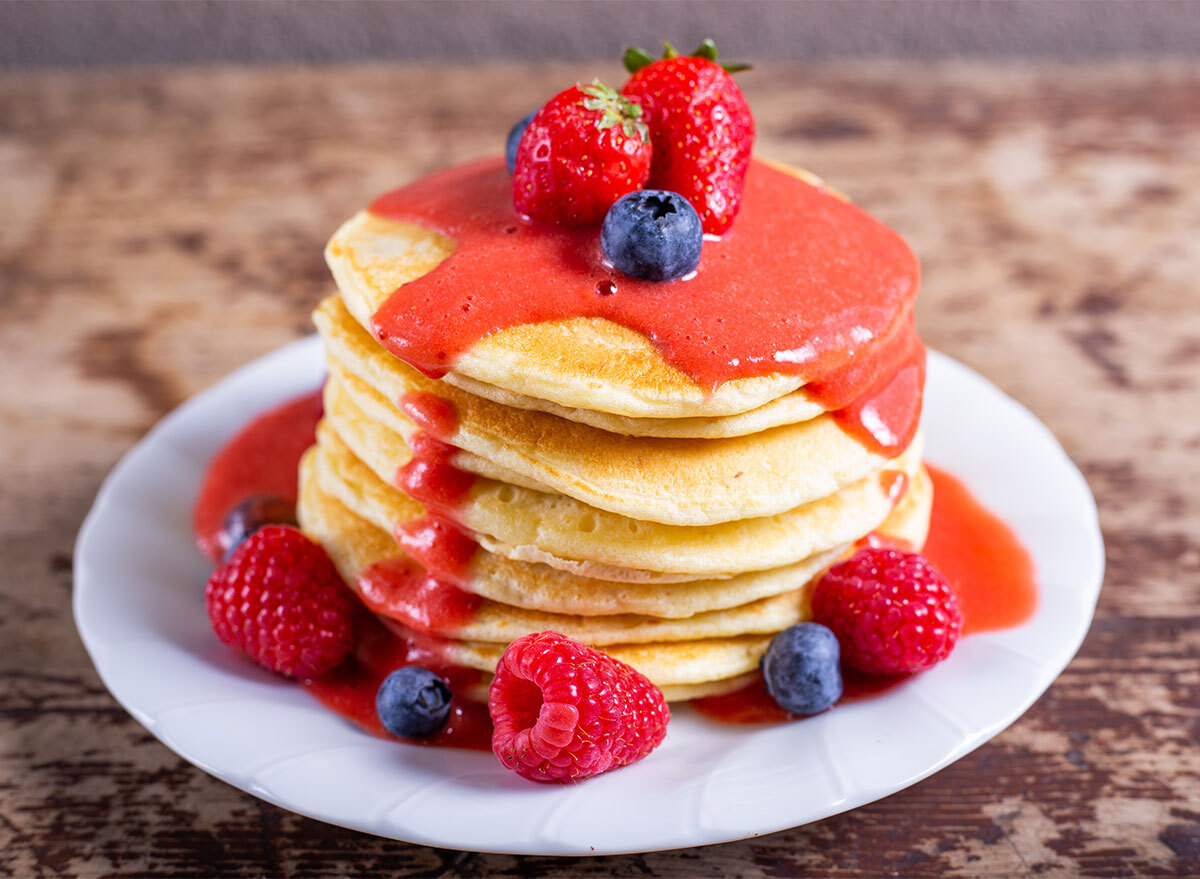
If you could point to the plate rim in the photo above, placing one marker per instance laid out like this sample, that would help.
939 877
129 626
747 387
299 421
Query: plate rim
83 576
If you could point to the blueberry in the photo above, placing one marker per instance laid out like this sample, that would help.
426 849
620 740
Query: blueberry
514 140
413 702
652 234
250 515
801 668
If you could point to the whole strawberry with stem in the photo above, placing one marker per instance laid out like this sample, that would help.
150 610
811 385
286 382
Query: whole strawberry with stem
700 125
581 152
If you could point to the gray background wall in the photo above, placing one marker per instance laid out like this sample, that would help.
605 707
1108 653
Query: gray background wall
41 33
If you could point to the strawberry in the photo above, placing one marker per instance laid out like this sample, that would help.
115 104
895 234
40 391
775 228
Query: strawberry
580 153
700 126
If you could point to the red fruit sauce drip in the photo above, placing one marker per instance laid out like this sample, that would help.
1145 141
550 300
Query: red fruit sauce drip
262 459
804 283
894 484
430 476
350 689
440 545
753 704
434 415
885 417
422 591
402 590
982 558
991 573
426 591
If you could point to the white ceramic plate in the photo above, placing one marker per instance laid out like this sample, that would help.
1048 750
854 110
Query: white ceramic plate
139 606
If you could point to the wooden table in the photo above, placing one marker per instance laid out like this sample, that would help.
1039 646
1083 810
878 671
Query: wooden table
159 229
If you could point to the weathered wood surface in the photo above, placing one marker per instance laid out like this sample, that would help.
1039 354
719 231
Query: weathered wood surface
159 229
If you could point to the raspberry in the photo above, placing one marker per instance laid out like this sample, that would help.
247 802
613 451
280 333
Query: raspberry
892 612
562 711
280 600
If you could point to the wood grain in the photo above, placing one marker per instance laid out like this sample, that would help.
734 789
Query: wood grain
159 229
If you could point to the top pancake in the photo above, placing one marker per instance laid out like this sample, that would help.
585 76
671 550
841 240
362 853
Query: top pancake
578 363
349 343
584 363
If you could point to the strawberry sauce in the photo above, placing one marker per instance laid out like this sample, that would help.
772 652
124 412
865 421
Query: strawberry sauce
440 545
402 590
262 459
885 417
753 704
434 415
804 283
430 476
350 689
894 484
427 591
991 573
981 557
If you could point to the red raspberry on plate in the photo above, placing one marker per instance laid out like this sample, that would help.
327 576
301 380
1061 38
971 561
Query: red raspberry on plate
280 600
562 711
892 611
700 126
580 153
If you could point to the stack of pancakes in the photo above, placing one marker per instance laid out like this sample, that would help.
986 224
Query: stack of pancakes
612 498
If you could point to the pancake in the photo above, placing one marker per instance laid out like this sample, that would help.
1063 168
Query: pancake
587 363
359 544
691 664
787 409
521 597
538 586
673 481
688 692
671 692
683 670
527 525
709 646
354 348
353 544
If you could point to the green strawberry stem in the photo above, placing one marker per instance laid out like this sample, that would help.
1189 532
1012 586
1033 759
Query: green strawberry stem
636 58
707 49
615 110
